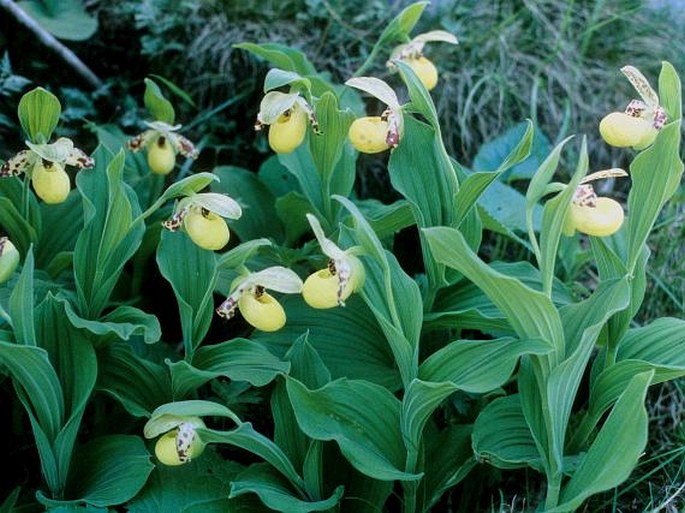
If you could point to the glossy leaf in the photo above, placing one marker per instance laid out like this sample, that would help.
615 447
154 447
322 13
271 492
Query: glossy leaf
120 324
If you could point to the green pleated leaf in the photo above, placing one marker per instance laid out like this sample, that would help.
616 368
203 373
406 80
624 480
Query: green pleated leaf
259 215
348 339
191 271
138 384
33 373
39 112
66 19
479 366
503 209
108 239
327 148
120 324
275 491
287 434
238 359
387 220
616 450
553 217
20 232
464 306
201 483
109 470
530 313
307 366
292 209
347 411
301 165
21 304
156 103
659 346
61 226
245 437
75 363
421 172
501 436
280 56
450 459
656 172
241 253
517 147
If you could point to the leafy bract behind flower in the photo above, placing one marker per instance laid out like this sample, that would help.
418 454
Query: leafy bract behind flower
259 308
591 214
330 287
642 119
44 164
373 134
412 54
201 216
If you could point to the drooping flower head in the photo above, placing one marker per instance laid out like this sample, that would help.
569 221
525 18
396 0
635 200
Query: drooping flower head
44 163
9 259
287 115
201 217
374 134
331 286
258 307
591 214
642 119
412 54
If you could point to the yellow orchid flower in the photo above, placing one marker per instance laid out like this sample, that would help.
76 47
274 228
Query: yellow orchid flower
258 307
9 259
44 163
286 114
202 218
641 121
162 143
179 443
331 286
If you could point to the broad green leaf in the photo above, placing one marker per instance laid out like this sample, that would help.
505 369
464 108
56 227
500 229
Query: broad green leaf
387 220
655 172
32 372
39 112
518 149
280 56
507 206
61 225
582 322
20 232
65 19
301 165
616 450
450 459
120 324
241 253
347 411
245 437
479 366
109 470
307 366
238 359
521 150
277 178
531 313
191 271
393 297
348 339
259 215
185 187
108 239
75 363
274 491
21 304
195 484
464 306
420 97
156 103
502 438
287 434
292 209
138 384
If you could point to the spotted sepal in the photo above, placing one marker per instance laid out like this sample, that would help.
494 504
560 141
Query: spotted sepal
175 221
585 196
183 146
184 439
140 141
17 164
79 159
